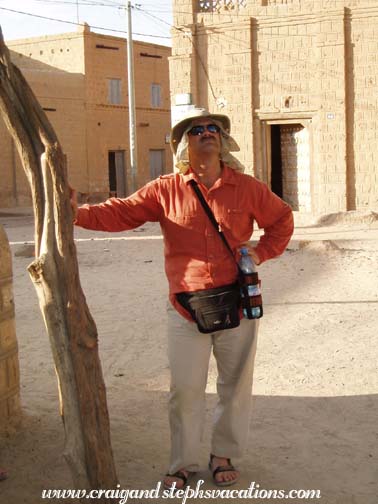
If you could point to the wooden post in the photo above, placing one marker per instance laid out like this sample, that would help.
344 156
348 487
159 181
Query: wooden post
70 326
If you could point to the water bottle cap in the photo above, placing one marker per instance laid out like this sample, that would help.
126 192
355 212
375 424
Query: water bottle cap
244 251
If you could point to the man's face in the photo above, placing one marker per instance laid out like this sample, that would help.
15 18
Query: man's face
206 142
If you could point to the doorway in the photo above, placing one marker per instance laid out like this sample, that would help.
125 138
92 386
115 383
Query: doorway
117 175
276 160
290 167
156 163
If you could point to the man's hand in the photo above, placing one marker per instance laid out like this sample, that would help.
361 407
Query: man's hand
251 251
73 201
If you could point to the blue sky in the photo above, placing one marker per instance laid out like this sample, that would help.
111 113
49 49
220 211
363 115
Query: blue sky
151 20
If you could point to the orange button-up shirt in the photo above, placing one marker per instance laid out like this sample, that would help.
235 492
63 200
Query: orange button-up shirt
195 256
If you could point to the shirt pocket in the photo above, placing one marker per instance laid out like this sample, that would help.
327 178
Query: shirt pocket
188 221
186 226
232 218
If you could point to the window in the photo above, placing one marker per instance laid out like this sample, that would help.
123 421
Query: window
155 95
227 5
114 97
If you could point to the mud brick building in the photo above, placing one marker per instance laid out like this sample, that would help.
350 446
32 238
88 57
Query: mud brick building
299 79
80 79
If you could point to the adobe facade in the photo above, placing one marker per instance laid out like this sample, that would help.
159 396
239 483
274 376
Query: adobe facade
80 79
299 79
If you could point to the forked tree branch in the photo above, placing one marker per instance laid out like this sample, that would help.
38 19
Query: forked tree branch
70 326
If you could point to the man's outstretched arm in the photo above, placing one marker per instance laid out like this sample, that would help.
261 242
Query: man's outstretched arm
118 214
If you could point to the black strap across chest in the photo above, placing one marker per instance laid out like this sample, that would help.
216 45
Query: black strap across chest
213 220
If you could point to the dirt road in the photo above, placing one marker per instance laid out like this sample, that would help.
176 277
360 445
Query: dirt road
314 424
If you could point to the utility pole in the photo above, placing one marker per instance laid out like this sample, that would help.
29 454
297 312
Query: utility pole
132 114
77 11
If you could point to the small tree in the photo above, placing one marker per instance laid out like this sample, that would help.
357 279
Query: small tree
54 272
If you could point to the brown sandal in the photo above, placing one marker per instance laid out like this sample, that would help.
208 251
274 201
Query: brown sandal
179 475
220 469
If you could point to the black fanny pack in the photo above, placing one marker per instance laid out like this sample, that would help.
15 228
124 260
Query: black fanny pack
216 309
213 309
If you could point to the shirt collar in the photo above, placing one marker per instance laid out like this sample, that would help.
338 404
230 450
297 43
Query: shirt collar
227 176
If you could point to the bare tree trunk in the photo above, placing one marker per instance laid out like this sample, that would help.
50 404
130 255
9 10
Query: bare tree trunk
71 329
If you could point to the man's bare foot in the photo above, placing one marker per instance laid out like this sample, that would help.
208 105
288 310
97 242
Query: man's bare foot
224 473
179 478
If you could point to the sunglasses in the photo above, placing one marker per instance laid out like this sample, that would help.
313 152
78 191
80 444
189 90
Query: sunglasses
198 130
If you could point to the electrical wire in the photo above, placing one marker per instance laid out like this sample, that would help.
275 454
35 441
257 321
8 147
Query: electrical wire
138 8
152 16
326 72
193 44
83 3
81 24
139 11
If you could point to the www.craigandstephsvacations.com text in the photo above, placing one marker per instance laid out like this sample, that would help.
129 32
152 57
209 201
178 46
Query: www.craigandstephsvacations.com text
121 496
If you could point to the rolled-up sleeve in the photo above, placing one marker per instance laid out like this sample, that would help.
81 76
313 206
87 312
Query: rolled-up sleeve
276 218
118 214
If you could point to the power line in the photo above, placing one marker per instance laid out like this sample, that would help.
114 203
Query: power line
84 3
147 15
194 47
326 72
80 24
99 3
152 16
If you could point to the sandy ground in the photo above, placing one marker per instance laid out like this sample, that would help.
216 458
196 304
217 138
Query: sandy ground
314 424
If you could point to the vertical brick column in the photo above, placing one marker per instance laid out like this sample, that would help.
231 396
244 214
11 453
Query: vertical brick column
331 138
183 62
362 50
9 366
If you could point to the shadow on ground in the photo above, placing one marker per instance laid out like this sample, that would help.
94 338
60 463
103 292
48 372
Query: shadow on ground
326 443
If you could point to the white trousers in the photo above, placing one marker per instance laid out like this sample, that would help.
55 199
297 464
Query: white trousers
189 354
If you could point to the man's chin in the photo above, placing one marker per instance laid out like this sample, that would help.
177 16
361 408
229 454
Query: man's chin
208 141
210 148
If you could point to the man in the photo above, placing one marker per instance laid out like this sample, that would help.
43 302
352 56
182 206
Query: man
196 261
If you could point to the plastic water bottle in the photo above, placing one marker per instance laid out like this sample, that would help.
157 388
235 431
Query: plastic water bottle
250 288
